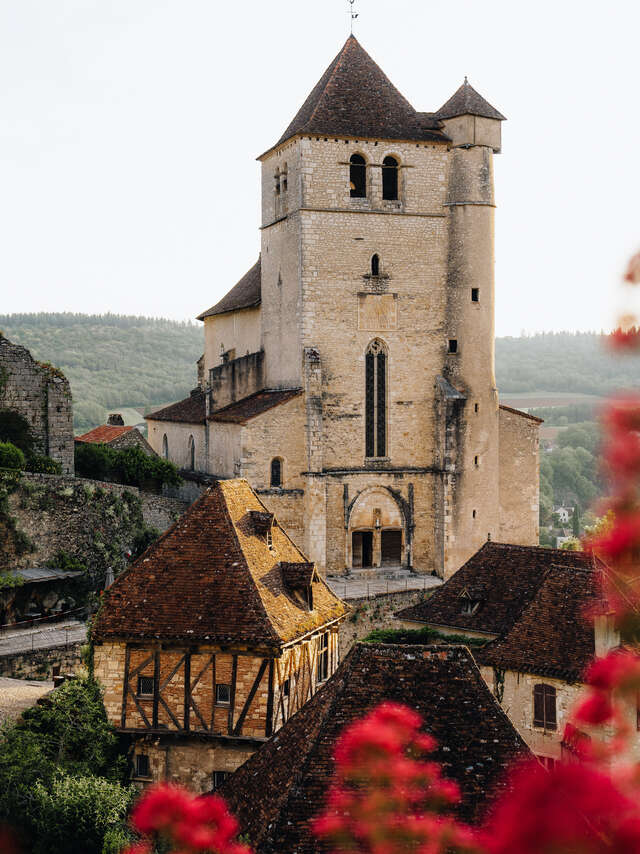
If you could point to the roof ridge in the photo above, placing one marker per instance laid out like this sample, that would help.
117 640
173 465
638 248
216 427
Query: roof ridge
229 520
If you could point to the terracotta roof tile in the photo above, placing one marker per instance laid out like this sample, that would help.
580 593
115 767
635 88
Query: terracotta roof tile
277 792
355 98
466 101
212 577
191 410
103 435
245 294
257 403
552 637
503 578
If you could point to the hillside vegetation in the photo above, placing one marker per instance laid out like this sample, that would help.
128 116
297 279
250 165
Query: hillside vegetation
112 362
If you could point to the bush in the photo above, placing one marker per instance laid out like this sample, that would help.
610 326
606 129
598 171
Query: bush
130 466
43 465
76 814
11 457
15 429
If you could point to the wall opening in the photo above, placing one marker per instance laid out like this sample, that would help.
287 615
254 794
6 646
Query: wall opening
165 447
391 548
475 294
376 400
362 549
357 176
375 265
390 178
453 345
191 453
276 472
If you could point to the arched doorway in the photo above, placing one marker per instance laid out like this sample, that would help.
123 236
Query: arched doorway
376 531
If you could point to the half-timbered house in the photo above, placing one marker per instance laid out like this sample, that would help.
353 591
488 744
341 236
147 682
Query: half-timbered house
212 639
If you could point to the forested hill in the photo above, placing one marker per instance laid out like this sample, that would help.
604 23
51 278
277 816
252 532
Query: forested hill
563 362
115 362
112 361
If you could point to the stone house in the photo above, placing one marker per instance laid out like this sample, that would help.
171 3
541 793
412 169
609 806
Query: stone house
529 604
277 793
212 639
349 374
40 396
117 436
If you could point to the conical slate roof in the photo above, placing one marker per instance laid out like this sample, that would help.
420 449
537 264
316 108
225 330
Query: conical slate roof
278 791
467 102
355 98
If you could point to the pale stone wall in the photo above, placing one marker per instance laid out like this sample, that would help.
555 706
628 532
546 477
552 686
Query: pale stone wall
225 449
108 669
519 479
234 330
191 764
517 702
41 395
178 442
279 432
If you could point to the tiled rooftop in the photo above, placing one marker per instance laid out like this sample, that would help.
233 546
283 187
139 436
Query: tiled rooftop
104 434
191 410
214 577
255 404
282 787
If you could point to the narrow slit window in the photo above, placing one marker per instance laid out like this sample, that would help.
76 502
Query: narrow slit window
323 657
165 447
476 461
284 182
475 294
357 176
476 408
276 179
389 178
453 345
376 400
276 472
192 453
286 687
375 265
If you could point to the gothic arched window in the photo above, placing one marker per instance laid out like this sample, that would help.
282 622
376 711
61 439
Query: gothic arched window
192 453
276 472
376 400
375 265
165 447
390 178
358 176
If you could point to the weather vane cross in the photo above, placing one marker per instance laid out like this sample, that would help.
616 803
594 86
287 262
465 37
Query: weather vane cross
352 14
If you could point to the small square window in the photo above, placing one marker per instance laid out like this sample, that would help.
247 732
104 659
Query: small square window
219 777
453 345
475 294
142 765
223 694
145 686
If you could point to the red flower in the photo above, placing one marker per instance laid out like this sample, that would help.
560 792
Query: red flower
622 537
619 669
595 709
572 808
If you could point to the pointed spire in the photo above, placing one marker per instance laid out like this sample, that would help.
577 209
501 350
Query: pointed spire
467 102
355 98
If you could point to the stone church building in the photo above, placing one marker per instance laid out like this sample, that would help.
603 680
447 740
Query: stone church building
349 375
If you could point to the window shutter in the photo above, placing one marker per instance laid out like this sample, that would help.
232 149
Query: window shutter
550 706
538 705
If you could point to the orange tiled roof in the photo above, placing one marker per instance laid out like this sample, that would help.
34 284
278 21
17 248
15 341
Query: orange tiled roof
103 435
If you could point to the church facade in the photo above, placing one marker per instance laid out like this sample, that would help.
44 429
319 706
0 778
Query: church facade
349 375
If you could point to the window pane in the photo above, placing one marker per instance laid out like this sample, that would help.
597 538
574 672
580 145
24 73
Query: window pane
223 693
370 405
145 686
142 765
382 410
389 178
358 177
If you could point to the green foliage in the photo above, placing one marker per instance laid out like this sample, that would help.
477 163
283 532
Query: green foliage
15 429
61 772
422 636
11 457
75 814
9 580
44 465
577 362
142 540
561 416
575 523
67 562
130 466
112 361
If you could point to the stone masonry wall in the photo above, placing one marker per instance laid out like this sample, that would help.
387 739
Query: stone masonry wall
42 396
39 663
376 612
519 479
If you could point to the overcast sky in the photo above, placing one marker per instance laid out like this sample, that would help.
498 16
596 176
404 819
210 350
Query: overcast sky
129 131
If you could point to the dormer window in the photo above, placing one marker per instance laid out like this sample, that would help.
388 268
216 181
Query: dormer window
357 176
390 179
470 601
262 523
298 579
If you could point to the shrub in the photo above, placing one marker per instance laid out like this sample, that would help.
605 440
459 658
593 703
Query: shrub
15 429
130 466
43 465
11 457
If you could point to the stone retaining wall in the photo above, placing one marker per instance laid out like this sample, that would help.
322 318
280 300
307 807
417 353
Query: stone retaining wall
39 663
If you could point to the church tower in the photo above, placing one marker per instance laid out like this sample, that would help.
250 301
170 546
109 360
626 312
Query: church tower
350 374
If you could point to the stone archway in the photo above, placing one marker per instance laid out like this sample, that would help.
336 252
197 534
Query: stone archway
376 533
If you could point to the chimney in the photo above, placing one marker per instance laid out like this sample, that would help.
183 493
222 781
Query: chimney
115 420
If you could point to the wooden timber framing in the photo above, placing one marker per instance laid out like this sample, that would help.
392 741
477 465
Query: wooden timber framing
184 687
